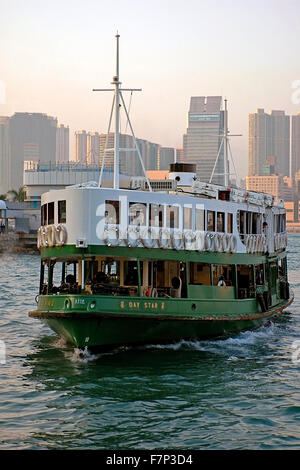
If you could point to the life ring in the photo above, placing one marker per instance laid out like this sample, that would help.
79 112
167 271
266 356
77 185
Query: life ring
51 236
133 236
39 239
200 241
189 240
146 238
177 240
44 236
111 236
218 246
233 244
226 242
164 238
209 241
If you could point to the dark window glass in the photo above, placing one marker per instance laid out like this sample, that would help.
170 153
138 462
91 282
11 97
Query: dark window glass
137 213
61 212
112 212
51 213
220 222
156 215
211 221
200 274
229 223
44 214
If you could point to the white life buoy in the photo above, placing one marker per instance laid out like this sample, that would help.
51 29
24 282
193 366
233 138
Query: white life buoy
146 238
44 236
189 240
177 240
200 241
233 244
51 235
164 238
60 235
218 246
39 238
209 241
226 242
133 236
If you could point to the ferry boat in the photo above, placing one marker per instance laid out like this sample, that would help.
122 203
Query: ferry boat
154 262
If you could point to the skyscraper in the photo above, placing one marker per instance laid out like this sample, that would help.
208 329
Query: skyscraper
201 143
62 144
5 160
165 157
295 164
269 136
93 147
32 136
81 146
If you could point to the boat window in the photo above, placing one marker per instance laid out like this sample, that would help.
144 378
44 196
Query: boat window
200 274
112 212
220 222
61 212
187 218
51 213
245 281
131 273
241 216
256 223
259 274
156 214
44 214
200 219
222 275
211 221
229 223
173 216
280 223
137 213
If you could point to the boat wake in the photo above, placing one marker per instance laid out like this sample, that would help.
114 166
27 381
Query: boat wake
235 347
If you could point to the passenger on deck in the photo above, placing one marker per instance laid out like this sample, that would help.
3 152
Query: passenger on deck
221 281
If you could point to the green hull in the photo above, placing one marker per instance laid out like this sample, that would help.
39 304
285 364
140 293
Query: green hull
137 321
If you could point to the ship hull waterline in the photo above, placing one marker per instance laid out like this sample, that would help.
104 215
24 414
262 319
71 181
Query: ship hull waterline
98 331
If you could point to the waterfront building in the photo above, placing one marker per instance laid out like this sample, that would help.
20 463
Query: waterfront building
5 159
93 148
62 143
179 155
277 185
201 143
165 157
295 144
269 136
81 146
25 136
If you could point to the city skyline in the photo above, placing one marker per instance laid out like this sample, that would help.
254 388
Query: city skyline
48 67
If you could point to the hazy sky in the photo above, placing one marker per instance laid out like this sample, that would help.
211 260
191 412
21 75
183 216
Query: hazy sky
52 53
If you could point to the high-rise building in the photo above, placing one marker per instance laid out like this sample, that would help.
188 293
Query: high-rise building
32 136
179 155
62 144
201 143
5 160
269 136
81 146
295 147
93 147
165 157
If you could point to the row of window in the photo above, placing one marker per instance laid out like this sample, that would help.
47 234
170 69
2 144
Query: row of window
48 211
160 215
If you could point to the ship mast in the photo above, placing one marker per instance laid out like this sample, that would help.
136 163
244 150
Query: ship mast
118 101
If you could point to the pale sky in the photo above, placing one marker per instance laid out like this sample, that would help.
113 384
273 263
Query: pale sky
52 53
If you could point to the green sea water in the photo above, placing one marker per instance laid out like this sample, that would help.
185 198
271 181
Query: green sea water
232 393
